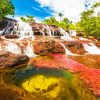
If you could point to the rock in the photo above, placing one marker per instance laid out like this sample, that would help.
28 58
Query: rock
14 93
11 36
49 45
97 44
79 34
9 60
75 47
46 46
90 60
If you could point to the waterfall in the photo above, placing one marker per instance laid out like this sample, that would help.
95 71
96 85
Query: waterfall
65 35
72 32
66 50
12 47
2 31
91 48
63 32
84 39
23 29
40 30
48 30
8 29
29 50
18 47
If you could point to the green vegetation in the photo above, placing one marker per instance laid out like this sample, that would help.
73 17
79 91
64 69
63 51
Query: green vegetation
29 19
90 23
65 23
6 8
60 15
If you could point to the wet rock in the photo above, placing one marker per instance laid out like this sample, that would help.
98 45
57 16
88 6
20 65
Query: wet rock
97 44
8 60
79 34
89 60
46 46
51 45
14 93
11 36
75 47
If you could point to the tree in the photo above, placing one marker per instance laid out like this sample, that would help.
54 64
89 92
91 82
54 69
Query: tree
65 23
89 23
50 21
60 15
29 19
96 5
6 8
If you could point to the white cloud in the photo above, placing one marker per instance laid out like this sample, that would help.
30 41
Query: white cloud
70 8
36 9
38 19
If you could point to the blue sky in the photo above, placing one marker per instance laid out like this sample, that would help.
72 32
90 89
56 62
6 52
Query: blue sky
31 7
42 9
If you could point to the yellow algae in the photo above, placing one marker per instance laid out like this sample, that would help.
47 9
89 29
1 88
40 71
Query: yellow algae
40 84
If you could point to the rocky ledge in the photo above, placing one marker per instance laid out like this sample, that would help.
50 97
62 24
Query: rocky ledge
47 45
9 60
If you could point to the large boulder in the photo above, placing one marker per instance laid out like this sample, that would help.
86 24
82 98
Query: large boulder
75 46
46 46
8 60
51 45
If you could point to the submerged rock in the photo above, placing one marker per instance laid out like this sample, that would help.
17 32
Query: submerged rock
8 59
89 60
56 61
90 76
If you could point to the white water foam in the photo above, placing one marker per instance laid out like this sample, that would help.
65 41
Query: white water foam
91 48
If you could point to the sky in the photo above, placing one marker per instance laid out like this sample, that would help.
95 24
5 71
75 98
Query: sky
42 9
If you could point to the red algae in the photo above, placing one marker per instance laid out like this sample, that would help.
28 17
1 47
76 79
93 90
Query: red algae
57 61
89 76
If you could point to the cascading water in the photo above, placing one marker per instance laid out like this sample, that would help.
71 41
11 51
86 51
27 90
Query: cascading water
84 39
2 31
63 32
40 31
8 29
12 47
65 35
29 50
48 30
17 47
72 32
67 52
91 48
23 29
